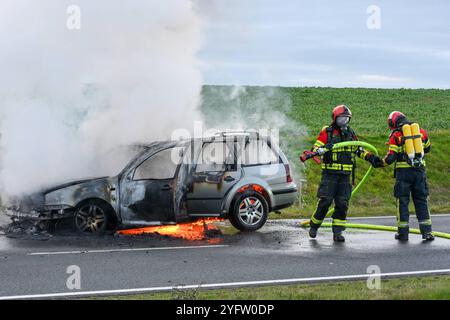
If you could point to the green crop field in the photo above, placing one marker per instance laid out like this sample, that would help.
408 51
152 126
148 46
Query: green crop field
300 113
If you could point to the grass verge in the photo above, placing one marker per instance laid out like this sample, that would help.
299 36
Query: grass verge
413 288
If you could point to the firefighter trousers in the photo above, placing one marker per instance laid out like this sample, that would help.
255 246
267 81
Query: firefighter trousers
412 182
335 187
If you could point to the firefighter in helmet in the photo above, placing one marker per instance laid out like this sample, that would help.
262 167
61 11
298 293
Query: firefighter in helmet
338 165
411 178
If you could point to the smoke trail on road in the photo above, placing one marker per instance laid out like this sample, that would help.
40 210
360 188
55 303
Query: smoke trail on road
70 99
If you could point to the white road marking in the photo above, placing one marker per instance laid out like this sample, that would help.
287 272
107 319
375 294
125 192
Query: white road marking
124 250
224 285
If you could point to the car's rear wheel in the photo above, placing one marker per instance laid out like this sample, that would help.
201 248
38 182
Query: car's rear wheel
250 211
92 217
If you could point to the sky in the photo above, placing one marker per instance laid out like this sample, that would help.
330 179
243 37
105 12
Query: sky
326 43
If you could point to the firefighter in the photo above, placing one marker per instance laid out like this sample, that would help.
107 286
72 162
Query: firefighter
337 167
411 178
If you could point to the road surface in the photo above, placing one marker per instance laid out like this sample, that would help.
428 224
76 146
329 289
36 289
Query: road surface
280 252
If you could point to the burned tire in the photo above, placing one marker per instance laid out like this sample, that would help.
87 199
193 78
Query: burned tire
93 217
249 211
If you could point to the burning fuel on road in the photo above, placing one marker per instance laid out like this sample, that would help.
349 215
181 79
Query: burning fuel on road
197 230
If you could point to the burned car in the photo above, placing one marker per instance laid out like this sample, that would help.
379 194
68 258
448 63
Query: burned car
239 176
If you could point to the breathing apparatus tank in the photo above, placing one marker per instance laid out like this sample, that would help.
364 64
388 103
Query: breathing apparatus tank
418 146
413 143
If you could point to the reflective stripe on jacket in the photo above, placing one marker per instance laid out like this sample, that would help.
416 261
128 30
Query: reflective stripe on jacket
338 160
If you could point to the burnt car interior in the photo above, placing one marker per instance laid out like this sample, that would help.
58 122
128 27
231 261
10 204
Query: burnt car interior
148 190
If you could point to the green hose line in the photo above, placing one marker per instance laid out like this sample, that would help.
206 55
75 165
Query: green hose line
378 227
368 172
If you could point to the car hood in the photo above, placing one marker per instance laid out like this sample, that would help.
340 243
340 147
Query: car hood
71 183
36 200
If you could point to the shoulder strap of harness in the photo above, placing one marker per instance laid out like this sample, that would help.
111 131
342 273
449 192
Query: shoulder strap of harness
330 130
352 133
395 163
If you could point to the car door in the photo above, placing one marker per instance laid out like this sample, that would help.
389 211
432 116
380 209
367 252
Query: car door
146 194
215 173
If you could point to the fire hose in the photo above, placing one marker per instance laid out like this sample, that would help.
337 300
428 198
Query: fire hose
311 155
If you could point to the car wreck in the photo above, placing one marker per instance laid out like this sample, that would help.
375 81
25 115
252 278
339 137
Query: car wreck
238 176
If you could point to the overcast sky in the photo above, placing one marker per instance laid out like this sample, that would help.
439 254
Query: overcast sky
326 43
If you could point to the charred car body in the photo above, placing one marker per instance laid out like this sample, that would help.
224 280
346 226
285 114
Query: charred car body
239 176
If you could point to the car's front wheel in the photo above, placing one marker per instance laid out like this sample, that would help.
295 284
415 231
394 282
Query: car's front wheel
249 212
91 218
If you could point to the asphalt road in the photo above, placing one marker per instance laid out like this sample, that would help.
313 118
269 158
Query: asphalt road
280 252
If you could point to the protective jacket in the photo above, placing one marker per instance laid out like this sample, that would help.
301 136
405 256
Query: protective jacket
338 160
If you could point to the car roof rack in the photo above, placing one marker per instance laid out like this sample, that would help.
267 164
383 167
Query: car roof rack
237 133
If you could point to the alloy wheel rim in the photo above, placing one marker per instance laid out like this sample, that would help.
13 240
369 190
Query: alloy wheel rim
90 219
251 211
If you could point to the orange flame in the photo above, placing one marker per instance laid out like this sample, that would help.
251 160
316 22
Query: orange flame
196 230
255 187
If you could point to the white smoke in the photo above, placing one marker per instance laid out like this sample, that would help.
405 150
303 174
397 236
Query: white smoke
267 110
70 98
245 108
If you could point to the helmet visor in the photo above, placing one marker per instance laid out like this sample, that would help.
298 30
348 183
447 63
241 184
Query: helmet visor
342 121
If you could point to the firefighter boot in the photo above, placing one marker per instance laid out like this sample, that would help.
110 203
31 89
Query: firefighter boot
427 237
401 236
312 232
338 237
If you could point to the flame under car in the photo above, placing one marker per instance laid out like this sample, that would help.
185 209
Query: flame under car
237 176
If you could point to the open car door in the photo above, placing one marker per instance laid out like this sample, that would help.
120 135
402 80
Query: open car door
147 193
184 179
214 173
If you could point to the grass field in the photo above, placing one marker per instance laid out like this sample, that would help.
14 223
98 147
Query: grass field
415 288
302 112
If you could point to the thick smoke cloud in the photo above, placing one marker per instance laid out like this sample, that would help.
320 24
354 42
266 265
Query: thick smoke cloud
70 99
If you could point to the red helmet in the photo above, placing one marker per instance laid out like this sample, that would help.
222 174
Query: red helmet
396 119
341 111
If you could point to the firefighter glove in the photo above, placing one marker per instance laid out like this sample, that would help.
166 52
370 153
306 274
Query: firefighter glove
375 160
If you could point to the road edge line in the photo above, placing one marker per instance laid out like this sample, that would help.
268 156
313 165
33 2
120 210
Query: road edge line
50 253
226 285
